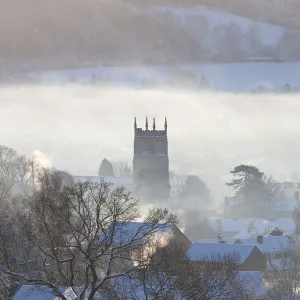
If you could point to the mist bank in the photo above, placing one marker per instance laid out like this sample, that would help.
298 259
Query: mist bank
75 127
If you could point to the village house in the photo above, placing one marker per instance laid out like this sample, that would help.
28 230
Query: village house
249 257
129 231
274 247
141 238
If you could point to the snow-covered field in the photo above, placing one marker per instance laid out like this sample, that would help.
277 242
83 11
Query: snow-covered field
239 77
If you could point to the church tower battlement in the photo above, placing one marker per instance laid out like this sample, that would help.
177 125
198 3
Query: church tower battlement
150 142
151 152
146 132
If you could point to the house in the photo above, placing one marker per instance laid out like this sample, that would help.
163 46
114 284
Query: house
274 247
143 239
141 232
249 257
36 292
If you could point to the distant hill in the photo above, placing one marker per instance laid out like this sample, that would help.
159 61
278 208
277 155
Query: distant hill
59 34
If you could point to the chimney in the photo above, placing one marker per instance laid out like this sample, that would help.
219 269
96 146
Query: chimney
260 239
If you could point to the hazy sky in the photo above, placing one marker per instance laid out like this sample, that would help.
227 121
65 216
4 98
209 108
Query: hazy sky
209 133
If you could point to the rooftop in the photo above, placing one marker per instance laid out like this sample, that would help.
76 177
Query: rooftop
271 243
203 251
136 232
35 292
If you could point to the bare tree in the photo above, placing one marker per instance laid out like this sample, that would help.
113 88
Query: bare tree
150 282
253 40
18 173
171 273
121 168
72 236
296 217
215 277
177 182
8 247
282 276
28 171
8 170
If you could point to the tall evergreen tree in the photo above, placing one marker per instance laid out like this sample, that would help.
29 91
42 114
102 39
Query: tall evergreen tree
259 191
106 169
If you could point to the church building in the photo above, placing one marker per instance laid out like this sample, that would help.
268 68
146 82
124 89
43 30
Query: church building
150 170
151 160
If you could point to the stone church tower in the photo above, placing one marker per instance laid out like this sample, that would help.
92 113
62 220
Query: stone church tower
151 160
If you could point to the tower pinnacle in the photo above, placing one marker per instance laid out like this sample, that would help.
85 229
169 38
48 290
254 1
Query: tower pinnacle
166 125
135 126
154 126
146 125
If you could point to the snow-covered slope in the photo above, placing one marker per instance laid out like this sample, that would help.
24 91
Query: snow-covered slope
208 29
270 34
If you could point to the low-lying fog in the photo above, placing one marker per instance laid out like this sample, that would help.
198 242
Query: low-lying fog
75 127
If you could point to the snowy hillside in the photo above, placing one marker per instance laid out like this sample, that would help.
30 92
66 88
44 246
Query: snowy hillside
270 34
238 77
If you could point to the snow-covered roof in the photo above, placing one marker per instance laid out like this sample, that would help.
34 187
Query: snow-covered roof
280 263
271 243
240 227
253 282
207 251
136 232
130 287
113 180
227 241
35 292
